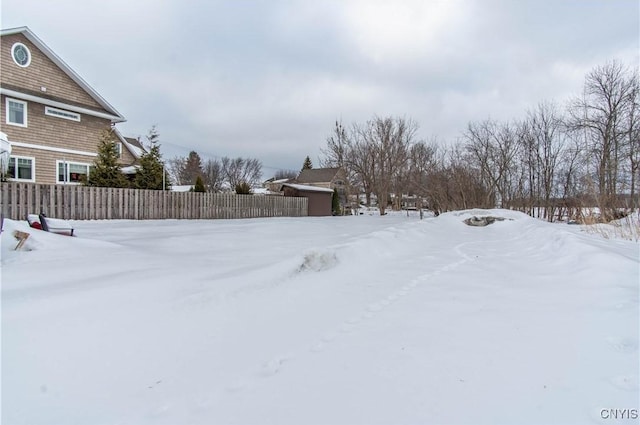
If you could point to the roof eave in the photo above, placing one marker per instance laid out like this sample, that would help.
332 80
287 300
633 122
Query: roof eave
126 144
66 68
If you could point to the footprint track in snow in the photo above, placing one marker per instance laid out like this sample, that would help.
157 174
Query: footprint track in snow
350 325
371 310
273 366
623 345
625 382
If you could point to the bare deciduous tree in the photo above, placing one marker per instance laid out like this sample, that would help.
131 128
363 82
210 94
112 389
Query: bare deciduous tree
241 170
348 150
602 117
547 165
390 140
374 155
493 149
544 142
213 176
175 169
285 174
422 161
633 139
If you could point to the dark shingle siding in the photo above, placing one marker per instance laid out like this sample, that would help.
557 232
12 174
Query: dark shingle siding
317 175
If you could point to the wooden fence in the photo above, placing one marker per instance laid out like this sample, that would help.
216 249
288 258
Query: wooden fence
72 202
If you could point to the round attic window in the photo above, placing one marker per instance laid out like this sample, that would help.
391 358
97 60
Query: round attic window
21 55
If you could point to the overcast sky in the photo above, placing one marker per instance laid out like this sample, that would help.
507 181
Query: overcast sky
268 79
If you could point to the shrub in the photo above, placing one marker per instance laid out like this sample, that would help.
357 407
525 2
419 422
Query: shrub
199 185
243 188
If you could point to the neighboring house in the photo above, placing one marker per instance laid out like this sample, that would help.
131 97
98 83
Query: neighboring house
274 186
329 178
52 117
319 198
135 149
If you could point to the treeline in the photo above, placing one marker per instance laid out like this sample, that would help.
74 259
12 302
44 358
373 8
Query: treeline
227 174
216 175
556 160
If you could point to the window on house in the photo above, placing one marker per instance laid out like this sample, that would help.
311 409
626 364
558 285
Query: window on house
16 112
119 149
21 55
21 168
61 113
72 172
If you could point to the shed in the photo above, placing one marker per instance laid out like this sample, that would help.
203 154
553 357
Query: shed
319 198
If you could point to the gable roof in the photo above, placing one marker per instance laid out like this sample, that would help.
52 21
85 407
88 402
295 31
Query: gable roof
317 175
133 145
26 32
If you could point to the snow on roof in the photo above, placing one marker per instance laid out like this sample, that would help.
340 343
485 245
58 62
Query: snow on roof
131 169
307 188
5 152
5 146
131 144
263 191
135 150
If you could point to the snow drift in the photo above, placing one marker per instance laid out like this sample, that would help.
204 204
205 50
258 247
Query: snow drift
354 320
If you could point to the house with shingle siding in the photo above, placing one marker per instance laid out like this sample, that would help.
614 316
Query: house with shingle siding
330 178
51 116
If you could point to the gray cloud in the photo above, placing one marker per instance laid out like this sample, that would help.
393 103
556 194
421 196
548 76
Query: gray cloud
268 79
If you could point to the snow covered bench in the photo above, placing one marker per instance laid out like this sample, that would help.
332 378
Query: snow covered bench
53 225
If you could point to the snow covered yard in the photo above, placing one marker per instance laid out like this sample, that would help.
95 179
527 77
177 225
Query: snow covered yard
337 320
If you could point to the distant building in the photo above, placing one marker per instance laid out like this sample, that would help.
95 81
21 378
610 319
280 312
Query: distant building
319 198
273 185
329 178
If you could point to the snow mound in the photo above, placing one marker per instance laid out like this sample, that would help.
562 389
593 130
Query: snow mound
362 252
318 261
497 212
627 228
40 240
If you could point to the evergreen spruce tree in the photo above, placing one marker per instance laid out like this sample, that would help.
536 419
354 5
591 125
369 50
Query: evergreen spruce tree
199 186
335 203
307 165
106 170
192 168
151 172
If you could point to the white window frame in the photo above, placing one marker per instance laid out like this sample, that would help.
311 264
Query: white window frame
13 49
66 164
24 104
61 113
33 169
119 148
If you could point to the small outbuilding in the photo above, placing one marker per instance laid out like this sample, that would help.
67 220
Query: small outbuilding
319 197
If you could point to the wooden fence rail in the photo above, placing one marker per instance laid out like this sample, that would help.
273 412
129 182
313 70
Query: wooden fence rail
72 202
